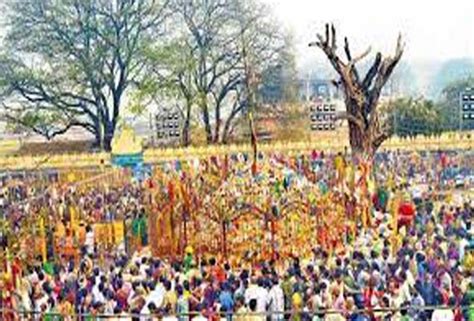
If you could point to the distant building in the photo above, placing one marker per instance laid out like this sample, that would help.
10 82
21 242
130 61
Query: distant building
168 125
310 88
313 87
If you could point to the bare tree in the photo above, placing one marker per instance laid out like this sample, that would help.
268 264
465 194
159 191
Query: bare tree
228 41
366 129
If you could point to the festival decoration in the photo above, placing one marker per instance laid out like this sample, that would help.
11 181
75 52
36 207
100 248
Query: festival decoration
217 206
253 142
267 216
127 149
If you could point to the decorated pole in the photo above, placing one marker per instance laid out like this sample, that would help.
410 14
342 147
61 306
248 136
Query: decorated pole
253 141
185 212
224 238
171 196
42 234
273 238
394 223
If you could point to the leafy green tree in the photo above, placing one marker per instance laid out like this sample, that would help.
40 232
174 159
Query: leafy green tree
409 117
212 62
72 63
450 102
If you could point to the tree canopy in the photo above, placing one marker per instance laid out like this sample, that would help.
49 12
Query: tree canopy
80 63
410 117
450 103
212 64
71 63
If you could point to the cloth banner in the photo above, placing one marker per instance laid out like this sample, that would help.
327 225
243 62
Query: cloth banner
109 233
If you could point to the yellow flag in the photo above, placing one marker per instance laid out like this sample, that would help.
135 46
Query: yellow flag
72 212
390 182
43 239
119 232
394 240
71 177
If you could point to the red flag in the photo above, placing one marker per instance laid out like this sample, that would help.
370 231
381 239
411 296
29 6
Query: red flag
171 192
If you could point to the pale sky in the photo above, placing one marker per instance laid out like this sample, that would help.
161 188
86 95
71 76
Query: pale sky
432 29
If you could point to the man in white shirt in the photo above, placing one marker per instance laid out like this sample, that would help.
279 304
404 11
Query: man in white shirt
156 296
463 244
276 301
97 293
258 292
404 294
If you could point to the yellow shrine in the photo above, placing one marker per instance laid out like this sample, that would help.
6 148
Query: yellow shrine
127 148
127 143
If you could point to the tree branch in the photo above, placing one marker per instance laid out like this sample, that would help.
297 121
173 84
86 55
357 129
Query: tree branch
352 62
369 77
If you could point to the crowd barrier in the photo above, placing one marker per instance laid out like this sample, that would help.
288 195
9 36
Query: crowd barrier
463 141
33 315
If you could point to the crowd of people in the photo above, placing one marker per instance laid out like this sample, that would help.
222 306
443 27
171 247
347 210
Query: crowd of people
425 271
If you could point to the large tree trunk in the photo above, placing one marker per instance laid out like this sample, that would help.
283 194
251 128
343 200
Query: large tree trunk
107 145
207 122
186 125
358 141
97 139
217 130
228 123
109 131
226 132
366 139
97 133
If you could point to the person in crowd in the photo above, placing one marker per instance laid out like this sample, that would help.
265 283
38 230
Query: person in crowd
424 272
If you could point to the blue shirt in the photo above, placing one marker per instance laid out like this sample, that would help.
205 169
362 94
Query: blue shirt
226 301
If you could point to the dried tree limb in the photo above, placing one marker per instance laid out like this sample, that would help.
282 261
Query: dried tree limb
327 35
388 64
333 38
369 77
347 50
353 61
361 56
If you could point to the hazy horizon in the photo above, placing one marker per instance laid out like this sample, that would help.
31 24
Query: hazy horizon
434 31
